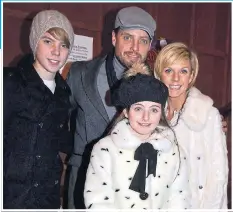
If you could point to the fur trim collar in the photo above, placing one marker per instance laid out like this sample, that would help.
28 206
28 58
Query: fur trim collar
123 138
196 109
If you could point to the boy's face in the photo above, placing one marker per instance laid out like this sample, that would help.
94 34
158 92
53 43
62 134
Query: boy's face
51 55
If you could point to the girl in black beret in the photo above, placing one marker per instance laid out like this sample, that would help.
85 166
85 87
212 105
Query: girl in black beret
139 165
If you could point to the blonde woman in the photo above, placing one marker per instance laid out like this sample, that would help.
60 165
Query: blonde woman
197 124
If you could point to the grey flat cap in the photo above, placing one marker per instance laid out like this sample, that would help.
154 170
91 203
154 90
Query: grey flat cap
135 18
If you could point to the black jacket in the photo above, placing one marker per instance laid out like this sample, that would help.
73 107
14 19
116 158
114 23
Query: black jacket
35 130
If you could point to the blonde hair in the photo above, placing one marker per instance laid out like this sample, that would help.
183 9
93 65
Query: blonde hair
138 68
176 52
60 34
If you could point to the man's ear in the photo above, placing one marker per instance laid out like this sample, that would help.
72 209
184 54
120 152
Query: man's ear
113 38
150 44
125 113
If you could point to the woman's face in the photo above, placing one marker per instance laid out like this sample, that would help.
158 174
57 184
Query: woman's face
177 78
143 118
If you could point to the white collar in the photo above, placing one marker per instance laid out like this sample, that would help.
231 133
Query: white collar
195 110
51 84
123 138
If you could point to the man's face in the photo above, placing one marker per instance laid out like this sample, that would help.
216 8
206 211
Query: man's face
131 45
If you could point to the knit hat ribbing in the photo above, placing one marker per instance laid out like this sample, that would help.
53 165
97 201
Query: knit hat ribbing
46 20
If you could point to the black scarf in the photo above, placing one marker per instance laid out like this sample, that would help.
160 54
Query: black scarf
143 153
111 73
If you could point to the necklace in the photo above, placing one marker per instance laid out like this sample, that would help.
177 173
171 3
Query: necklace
178 116
177 120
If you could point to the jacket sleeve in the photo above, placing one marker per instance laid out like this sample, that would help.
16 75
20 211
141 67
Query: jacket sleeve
72 101
11 96
179 195
73 79
98 191
215 196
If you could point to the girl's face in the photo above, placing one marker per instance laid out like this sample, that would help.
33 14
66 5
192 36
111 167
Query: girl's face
143 118
51 55
177 77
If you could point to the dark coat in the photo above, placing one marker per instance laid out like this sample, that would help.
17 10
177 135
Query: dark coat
35 130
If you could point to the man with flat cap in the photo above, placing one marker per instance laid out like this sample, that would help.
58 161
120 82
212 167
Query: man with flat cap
91 83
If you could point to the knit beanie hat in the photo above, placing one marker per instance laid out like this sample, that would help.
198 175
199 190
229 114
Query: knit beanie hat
46 20
138 88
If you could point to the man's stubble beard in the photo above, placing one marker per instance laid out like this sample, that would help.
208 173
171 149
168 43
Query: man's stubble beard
127 64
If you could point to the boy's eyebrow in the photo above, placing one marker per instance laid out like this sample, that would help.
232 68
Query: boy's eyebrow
51 38
47 37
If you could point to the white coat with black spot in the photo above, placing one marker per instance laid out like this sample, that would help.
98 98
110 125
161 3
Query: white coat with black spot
112 167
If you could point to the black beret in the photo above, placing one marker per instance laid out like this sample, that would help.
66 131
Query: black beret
138 88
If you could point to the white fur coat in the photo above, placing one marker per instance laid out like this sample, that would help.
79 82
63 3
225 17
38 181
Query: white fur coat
112 167
200 134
